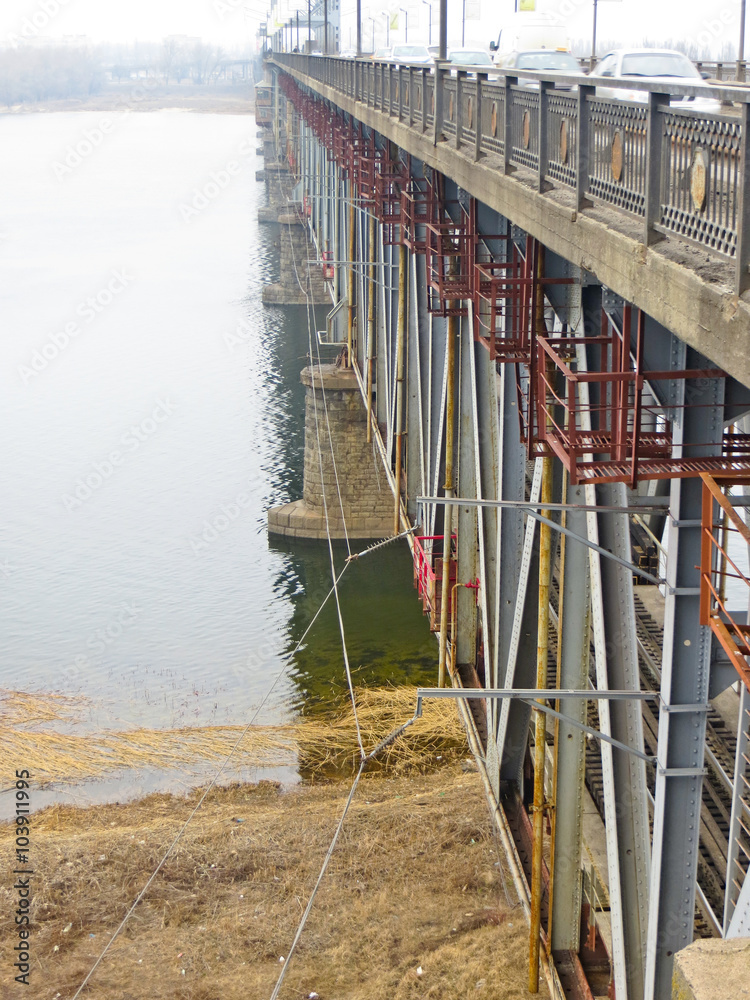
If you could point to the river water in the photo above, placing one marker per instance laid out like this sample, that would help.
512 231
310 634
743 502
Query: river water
151 413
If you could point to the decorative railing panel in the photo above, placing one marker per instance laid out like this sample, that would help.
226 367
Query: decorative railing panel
450 109
562 132
680 171
525 127
700 196
617 164
493 105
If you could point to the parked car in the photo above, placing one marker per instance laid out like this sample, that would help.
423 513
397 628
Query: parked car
543 61
652 65
411 54
470 57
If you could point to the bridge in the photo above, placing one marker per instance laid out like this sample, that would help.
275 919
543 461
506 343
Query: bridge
542 298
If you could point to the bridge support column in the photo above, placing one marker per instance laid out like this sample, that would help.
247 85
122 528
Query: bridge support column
344 491
300 281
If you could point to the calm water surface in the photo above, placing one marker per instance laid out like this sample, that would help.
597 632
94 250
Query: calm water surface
151 413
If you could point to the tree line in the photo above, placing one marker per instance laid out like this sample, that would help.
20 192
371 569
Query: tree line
31 74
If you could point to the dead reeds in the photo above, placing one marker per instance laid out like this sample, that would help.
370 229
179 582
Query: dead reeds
319 743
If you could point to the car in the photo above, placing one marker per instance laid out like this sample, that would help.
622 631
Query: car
348 54
383 54
470 57
411 54
651 65
543 61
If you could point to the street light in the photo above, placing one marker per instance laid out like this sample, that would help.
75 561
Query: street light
593 41
428 4
405 12
373 31
387 15
741 49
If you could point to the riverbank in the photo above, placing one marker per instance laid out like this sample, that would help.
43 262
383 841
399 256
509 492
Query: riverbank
234 100
414 903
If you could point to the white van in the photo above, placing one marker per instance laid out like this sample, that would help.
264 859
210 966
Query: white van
527 30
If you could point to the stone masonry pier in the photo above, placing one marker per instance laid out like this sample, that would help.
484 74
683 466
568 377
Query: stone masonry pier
366 498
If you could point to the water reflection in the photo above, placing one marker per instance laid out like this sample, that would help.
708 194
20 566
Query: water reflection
176 533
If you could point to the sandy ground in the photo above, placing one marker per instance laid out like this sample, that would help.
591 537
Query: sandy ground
414 903
134 97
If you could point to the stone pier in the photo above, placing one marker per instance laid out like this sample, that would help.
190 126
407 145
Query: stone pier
712 969
295 250
366 497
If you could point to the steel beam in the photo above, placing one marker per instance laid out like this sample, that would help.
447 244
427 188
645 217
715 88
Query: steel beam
518 607
617 666
570 744
467 569
686 666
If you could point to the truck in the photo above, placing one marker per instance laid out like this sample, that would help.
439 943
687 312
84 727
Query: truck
527 31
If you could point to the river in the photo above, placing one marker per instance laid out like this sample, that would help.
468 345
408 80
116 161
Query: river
151 413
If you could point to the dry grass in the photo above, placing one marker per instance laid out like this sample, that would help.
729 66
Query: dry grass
413 883
319 743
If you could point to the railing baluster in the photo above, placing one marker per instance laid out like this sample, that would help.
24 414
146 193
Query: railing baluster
510 81
742 281
481 78
543 136
440 76
583 151
654 152
460 77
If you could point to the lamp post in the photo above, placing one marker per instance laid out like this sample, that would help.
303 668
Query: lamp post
741 48
387 27
593 41
428 4
373 31
325 27
443 36
359 28
405 12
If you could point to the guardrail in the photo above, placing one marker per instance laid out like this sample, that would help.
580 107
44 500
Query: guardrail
682 171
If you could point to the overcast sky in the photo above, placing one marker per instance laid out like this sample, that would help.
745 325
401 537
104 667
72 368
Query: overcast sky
230 22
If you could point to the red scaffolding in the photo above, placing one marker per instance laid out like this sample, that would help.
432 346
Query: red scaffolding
725 583
602 418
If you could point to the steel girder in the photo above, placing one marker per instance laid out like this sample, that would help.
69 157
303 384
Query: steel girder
686 664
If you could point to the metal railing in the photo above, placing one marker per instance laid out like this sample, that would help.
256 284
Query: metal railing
681 170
